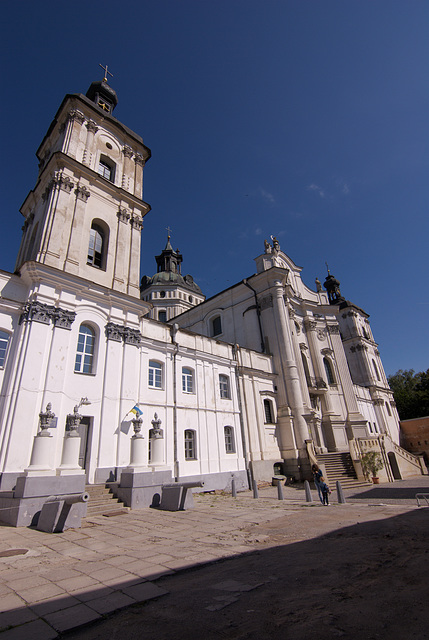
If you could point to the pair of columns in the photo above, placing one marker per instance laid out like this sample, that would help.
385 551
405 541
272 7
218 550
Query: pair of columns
41 452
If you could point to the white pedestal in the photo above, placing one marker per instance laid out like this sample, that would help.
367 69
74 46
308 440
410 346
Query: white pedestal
157 452
138 457
70 458
40 456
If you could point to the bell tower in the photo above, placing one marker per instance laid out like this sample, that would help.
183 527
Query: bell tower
85 214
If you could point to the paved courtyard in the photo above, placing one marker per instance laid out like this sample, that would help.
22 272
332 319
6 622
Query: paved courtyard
51 583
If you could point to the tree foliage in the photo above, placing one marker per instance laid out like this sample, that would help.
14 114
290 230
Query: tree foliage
411 392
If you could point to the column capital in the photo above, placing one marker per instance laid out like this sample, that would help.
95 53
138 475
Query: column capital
91 126
127 151
138 159
76 115
82 192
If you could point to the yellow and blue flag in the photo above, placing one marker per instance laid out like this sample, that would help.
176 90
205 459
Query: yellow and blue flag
137 412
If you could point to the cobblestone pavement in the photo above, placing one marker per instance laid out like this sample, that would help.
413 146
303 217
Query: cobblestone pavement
50 583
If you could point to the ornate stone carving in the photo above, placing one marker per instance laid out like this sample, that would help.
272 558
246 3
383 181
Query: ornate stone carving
59 180
63 319
45 314
333 329
132 336
91 126
136 222
73 421
138 159
28 221
266 302
118 333
378 402
46 418
127 151
310 325
76 115
351 314
297 328
303 346
327 352
359 347
291 313
156 431
376 351
114 331
82 192
123 214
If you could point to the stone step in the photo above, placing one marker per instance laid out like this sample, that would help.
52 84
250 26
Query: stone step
102 501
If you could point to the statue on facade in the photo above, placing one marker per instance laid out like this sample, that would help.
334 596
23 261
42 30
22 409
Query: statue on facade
276 245
268 247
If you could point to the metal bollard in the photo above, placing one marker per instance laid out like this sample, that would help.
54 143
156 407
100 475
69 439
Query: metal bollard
233 488
308 496
280 491
255 489
340 494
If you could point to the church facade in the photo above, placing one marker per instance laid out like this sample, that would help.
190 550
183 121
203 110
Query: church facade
108 378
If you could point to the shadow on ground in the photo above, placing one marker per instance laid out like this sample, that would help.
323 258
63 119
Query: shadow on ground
363 582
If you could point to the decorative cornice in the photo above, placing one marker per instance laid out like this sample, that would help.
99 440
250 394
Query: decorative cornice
82 192
127 151
378 402
138 159
76 115
91 126
123 214
352 314
359 347
118 333
45 314
136 223
58 180
333 329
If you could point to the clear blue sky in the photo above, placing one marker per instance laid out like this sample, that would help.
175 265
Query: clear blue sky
305 119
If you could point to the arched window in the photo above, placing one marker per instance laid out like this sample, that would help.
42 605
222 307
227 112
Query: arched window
268 411
229 439
224 387
84 362
106 168
97 247
215 326
190 445
155 374
377 375
4 345
306 370
328 370
187 380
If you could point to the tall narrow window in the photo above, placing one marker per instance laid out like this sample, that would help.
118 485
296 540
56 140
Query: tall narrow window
268 410
162 316
155 374
190 449
306 370
106 169
388 409
187 380
4 344
377 375
224 386
96 247
328 370
84 362
216 326
229 439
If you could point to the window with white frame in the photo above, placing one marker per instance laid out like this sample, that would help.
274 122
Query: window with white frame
215 326
84 362
106 169
229 439
155 374
224 386
190 445
268 412
97 247
187 380
4 345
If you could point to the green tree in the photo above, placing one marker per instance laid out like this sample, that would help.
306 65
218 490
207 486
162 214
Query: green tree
411 392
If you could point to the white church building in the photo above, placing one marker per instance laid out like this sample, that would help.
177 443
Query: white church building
108 378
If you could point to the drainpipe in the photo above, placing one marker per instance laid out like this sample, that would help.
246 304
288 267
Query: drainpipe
235 350
258 313
173 331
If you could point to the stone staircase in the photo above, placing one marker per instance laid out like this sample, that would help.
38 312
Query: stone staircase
339 466
102 502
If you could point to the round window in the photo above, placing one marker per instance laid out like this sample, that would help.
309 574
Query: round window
162 294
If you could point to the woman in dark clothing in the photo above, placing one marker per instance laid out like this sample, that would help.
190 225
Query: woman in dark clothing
317 477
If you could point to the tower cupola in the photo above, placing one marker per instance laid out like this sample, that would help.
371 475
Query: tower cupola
332 286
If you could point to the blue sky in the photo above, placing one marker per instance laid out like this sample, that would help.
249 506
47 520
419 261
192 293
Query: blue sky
304 119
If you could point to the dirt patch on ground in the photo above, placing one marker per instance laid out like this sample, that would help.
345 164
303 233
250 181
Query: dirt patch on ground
350 571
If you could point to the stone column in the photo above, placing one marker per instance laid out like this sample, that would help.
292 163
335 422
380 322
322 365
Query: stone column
77 231
41 455
138 457
122 257
138 176
71 446
128 169
89 145
134 272
290 369
156 435
57 220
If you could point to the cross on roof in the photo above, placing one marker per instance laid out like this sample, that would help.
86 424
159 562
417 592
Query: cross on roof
105 72
169 231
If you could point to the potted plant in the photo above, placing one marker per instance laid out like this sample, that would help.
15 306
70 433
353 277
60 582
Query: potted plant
371 463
